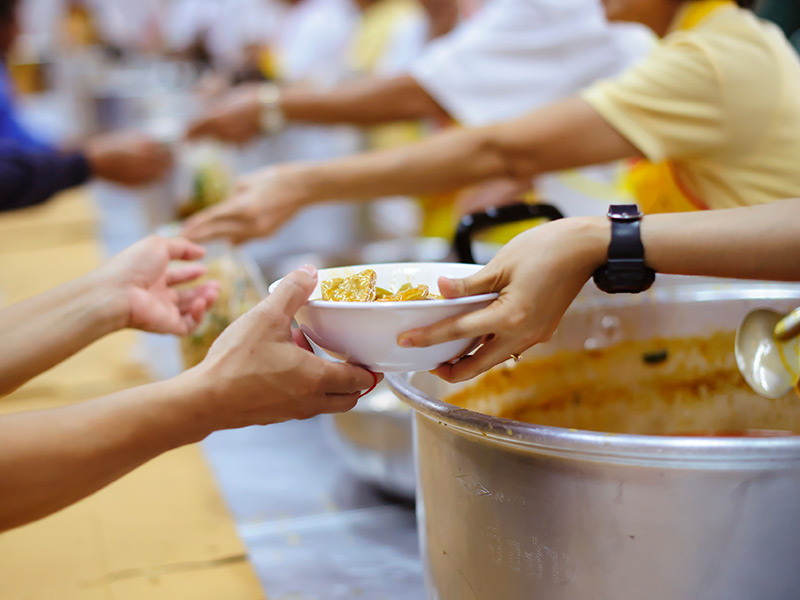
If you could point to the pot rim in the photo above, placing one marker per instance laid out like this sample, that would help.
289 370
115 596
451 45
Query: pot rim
595 445
737 452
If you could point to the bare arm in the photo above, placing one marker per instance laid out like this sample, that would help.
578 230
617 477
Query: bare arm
758 242
368 101
50 459
567 134
49 328
755 242
254 374
133 290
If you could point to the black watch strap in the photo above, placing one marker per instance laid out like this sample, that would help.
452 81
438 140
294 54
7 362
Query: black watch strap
625 271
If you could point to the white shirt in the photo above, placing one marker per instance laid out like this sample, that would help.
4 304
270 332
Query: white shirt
228 26
514 56
313 40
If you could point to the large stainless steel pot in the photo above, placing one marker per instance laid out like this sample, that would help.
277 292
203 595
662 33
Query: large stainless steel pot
514 511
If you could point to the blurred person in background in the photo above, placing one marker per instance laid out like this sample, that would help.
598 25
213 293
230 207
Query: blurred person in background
258 372
231 36
511 57
41 168
713 107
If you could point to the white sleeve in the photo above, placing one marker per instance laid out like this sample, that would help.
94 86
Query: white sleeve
406 45
517 55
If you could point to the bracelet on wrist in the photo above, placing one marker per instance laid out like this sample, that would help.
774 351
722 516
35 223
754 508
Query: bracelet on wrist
271 117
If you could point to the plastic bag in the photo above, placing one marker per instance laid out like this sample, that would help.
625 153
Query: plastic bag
241 288
205 177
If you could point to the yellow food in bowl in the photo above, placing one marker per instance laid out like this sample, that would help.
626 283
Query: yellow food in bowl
362 287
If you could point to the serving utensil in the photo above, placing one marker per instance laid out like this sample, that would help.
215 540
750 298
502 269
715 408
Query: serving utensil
768 351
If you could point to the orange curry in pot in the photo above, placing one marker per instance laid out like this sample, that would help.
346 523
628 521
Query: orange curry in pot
683 386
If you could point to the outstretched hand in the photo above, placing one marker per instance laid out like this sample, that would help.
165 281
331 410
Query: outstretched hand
262 202
259 371
128 158
141 278
234 118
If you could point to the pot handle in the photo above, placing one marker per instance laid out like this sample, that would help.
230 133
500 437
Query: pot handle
499 215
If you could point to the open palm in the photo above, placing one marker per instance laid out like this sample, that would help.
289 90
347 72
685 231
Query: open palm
142 275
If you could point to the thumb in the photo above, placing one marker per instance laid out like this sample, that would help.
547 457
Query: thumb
483 282
293 291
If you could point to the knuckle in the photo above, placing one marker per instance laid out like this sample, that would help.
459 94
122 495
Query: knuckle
249 211
307 389
515 318
271 318
453 331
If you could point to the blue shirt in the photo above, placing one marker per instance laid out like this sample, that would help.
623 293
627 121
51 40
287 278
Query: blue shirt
31 170
29 176
11 129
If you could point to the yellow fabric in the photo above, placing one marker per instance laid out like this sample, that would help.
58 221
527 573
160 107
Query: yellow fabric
375 31
718 99
655 189
439 217
268 63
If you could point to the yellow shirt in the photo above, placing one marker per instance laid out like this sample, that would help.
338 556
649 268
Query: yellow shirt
721 102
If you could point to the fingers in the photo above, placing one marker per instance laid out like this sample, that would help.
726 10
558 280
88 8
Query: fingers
378 378
300 340
197 309
483 282
470 325
182 249
159 155
343 378
232 230
208 293
224 220
185 274
338 403
199 128
293 291
490 354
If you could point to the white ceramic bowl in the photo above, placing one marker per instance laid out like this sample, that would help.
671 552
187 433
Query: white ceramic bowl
365 333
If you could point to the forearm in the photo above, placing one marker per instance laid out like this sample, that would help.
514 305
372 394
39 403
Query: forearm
43 331
365 102
444 162
758 242
50 459
565 135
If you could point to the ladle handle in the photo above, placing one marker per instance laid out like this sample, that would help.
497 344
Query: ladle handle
789 326
513 213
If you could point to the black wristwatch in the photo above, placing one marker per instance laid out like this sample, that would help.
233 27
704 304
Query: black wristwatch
625 272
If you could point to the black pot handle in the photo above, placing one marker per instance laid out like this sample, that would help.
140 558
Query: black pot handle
500 215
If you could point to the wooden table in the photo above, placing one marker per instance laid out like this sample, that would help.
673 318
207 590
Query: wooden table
162 531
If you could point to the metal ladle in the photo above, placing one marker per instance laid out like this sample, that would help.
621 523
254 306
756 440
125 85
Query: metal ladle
768 351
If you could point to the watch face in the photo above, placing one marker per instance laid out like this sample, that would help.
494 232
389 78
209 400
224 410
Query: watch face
624 212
